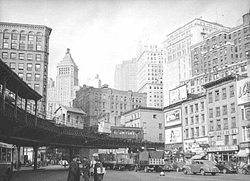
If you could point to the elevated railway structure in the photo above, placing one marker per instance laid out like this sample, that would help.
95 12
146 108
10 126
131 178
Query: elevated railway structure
20 127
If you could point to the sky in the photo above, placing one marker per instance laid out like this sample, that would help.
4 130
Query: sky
103 33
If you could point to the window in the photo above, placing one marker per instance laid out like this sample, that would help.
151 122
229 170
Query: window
5 45
187 134
5 55
22 46
225 120
203 131
210 97
30 56
38 67
13 66
39 47
211 113
211 126
160 137
231 89
202 118
38 57
191 109
186 110
224 93
196 107
29 66
13 55
13 45
22 36
192 120
233 108
234 139
28 76
217 111
226 139
202 106
218 124
224 110
197 134
217 95
37 87
245 133
154 116
20 75
21 56
186 121
37 78
160 125
30 36
20 66
192 132
233 122
30 46
196 120
14 35
39 37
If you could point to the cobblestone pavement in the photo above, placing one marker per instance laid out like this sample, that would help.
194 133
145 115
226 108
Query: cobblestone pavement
60 174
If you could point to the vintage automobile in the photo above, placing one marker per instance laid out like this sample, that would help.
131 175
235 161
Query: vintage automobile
226 167
200 166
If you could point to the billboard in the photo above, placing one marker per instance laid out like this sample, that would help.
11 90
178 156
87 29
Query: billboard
172 117
178 94
243 91
173 135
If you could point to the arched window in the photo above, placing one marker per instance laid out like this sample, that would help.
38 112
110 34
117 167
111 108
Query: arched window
6 34
23 36
31 36
39 37
14 35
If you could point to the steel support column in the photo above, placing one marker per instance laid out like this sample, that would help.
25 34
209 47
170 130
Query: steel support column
71 150
35 112
35 149
16 97
3 94
18 157
26 113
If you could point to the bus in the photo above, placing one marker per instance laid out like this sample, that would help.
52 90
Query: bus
5 158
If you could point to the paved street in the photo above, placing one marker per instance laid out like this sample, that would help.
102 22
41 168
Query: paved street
60 174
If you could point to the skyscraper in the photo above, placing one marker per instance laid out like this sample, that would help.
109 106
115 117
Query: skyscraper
25 48
125 75
176 52
150 73
66 84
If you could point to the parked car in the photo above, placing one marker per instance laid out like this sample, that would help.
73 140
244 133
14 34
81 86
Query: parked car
178 166
200 166
227 167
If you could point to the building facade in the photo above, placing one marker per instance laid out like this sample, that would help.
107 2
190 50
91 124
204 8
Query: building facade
97 102
176 52
25 48
125 76
62 91
150 73
94 81
68 116
224 117
195 137
149 119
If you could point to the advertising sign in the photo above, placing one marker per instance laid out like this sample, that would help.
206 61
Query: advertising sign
178 94
243 91
172 117
173 135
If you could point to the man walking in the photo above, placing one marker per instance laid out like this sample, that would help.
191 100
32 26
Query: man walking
86 169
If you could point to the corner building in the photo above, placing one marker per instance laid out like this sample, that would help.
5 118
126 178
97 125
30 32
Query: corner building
25 49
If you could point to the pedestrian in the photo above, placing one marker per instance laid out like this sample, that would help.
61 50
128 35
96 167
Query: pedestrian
74 170
92 166
98 171
86 169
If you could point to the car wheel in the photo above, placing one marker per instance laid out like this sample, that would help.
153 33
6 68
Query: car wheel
202 172
194 173
224 171
185 171
213 173
177 169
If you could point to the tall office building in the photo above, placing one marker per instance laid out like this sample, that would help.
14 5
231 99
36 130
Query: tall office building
125 75
25 48
66 84
150 73
176 52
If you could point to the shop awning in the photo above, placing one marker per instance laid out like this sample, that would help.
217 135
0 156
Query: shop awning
242 153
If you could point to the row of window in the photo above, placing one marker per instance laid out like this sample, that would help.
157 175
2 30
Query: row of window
195 119
221 94
29 76
23 46
21 56
226 140
22 35
195 132
220 122
194 108
224 110
29 66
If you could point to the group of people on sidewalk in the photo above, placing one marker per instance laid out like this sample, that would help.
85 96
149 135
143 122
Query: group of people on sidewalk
91 171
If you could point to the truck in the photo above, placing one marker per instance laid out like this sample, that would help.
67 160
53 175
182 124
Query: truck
151 161
118 161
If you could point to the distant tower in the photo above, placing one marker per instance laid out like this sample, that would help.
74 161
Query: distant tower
67 82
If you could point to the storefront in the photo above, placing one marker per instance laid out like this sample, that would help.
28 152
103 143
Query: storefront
244 152
222 153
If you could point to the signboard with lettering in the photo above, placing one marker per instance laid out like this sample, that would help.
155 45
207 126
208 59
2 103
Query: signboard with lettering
243 91
173 117
222 148
178 94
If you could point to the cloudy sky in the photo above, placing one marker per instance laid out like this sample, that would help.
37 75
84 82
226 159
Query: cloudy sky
103 33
